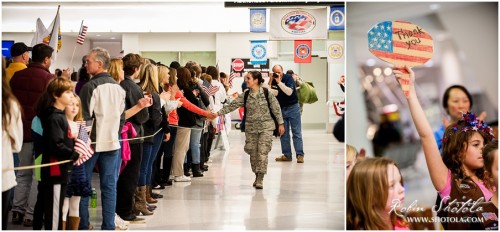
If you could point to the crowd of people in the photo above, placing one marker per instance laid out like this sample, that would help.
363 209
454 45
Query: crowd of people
140 124
462 159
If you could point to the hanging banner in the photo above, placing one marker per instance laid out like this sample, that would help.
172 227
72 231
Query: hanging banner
258 50
239 66
335 50
337 18
258 20
291 24
302 51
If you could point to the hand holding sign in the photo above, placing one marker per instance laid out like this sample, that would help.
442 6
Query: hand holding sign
401 43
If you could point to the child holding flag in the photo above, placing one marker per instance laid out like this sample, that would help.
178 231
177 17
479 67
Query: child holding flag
78 185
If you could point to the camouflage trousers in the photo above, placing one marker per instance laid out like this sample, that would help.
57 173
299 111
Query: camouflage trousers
258 145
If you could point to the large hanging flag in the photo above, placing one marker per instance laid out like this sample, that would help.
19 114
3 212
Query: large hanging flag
40 33
258 20
336 51
258 50
302 52
337 18
291 24
81 35
44 35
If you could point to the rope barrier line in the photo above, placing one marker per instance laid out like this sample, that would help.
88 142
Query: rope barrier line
67 161
36 166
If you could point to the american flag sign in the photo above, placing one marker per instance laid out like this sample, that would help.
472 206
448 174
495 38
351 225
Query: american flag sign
82 145
400 43
81 35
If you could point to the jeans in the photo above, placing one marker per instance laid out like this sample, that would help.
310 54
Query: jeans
194 146
168 149
149 152
26 190
109 166
291 116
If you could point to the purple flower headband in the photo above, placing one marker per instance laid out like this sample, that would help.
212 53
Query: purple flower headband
472 124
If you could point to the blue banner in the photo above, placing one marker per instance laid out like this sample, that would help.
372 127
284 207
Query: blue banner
258 50
337 18
258 20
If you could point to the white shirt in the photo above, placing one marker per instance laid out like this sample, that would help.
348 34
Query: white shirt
15 129
220 96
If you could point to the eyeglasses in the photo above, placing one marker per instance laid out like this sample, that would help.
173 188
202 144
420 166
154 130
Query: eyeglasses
89 61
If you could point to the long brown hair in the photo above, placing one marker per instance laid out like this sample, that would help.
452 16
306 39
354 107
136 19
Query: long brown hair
367 193
8 99
455 144
183 78
489 158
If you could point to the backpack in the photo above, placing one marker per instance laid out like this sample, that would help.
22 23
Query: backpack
266 94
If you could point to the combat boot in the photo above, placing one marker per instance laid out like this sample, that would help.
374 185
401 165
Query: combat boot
259 181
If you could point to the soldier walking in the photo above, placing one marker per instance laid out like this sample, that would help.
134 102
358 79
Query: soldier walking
259 125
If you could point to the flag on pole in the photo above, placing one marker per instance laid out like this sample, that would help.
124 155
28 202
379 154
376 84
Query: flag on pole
44 35
303 51
82 145
231 77
54 38
40 33
81 35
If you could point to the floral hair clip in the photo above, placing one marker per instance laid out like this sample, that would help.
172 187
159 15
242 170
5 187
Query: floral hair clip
471 124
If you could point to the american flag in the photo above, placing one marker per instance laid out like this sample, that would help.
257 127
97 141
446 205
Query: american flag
300 23
81 35
209 89
400 43
231 77
82 145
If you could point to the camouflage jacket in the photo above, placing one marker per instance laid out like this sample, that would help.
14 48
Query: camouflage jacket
258 117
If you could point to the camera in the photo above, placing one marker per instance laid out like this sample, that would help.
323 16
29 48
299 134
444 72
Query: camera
275 75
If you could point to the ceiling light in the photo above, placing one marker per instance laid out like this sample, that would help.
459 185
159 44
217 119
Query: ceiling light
369 78
377 72
387 71
434 6
370 62
379 78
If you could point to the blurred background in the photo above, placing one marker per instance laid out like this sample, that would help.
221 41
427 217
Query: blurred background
465 38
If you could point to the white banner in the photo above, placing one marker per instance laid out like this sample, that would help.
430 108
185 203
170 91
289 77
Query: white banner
336 51
293 24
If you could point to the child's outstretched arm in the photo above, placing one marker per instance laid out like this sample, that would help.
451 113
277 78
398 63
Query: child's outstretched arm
436 166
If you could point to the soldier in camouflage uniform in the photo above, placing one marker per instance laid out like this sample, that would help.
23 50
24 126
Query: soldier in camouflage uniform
259 125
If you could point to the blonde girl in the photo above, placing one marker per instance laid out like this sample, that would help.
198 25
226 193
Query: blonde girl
78 185
459 175
374 188
116 69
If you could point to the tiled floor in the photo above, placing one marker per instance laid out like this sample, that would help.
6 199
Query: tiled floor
308 196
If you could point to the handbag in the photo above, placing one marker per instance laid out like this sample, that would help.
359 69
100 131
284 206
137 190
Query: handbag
307 93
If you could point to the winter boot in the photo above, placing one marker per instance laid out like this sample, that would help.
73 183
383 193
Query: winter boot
73 223
259 182
149 199
196 170
63 226
140 202
186 167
